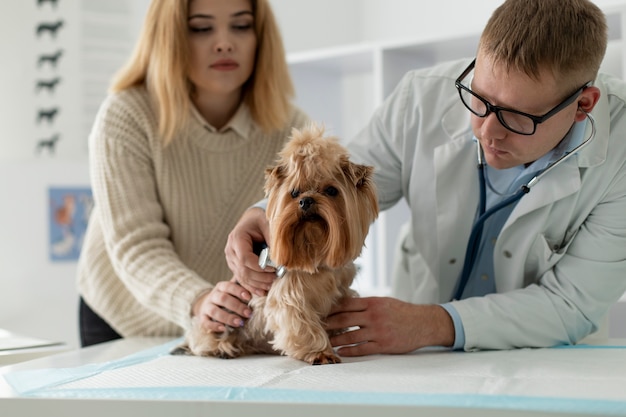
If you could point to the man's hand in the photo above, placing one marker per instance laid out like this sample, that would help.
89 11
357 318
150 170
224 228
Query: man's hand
388 325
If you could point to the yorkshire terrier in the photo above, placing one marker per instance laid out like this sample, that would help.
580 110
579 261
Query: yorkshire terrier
320 206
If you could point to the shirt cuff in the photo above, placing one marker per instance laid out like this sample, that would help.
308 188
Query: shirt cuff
459 332
261 204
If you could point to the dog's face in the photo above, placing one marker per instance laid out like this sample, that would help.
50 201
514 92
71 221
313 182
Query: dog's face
320 205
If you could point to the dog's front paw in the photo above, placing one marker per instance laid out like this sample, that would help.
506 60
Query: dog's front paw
322 358
183 349
230 354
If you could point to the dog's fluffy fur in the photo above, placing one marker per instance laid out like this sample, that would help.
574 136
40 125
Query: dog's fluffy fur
320 207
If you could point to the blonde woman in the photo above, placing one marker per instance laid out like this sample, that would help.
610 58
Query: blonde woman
177 153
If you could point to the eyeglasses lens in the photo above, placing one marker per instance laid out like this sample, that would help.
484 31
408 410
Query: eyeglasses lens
513 121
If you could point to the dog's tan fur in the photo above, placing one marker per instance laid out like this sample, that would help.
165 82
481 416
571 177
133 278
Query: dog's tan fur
320 207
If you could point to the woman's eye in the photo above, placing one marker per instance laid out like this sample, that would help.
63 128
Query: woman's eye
331 191
243 27
295 193
200 29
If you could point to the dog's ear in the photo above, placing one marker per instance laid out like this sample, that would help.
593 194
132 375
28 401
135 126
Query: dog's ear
276 173
274 176
359 175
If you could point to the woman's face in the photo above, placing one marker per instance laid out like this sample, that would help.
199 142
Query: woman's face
223 44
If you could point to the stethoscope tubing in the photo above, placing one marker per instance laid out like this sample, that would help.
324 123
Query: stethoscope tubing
477 230
475 236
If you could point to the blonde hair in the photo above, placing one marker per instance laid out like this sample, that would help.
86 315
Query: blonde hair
566 37
160 61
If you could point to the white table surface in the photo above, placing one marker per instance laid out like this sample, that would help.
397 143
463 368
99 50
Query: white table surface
604 384
16 348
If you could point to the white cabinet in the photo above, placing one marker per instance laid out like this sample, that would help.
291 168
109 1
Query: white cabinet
342 86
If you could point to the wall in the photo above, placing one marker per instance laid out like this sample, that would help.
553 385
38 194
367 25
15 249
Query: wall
308 25
37 290
37 296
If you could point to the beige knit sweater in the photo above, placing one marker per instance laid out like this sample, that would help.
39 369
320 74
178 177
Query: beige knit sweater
162 215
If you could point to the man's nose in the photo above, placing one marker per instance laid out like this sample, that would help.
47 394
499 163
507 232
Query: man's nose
491 127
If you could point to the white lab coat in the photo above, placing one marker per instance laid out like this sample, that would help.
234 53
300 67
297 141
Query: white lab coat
560 260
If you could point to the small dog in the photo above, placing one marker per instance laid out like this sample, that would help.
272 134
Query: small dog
320 207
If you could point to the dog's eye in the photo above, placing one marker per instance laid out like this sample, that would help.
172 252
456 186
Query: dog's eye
295 193
331 191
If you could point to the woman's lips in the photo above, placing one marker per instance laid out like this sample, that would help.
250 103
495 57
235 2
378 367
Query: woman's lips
225 65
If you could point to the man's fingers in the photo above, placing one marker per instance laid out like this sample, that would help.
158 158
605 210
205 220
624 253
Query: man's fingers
363 349
350 304
351 337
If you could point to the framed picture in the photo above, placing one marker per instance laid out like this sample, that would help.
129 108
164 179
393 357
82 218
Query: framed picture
69 210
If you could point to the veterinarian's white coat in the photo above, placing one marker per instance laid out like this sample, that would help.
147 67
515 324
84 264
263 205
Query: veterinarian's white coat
560 260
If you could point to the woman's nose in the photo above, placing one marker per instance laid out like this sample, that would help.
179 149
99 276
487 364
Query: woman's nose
223 45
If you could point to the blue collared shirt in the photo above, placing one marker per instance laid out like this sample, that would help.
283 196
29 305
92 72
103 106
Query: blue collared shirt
500 185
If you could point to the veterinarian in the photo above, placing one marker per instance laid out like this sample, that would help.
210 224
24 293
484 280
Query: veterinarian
177 153
544 263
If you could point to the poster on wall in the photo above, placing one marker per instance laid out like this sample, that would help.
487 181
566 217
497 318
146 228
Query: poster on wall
69 210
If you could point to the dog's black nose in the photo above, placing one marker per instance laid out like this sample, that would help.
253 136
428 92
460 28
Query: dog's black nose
306 203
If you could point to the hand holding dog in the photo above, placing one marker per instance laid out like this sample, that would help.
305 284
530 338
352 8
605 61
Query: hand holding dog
224 305
242 261
388 326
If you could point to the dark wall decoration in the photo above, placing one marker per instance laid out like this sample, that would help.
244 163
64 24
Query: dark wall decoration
49 27
47 144
50 59
41 3
48 84
48 115
47 32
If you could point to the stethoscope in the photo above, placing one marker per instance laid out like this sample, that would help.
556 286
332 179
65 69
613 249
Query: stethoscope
475 236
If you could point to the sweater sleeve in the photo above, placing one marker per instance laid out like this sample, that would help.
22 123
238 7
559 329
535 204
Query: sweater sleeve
137 237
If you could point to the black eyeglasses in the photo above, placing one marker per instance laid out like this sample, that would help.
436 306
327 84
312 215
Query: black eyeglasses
516 121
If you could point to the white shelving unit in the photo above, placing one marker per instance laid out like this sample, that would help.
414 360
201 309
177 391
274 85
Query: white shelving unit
342 86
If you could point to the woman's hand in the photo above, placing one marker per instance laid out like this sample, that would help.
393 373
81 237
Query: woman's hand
388 325
224 305
242 261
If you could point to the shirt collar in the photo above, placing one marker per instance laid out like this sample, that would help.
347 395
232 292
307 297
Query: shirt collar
241 122
509 180
573 138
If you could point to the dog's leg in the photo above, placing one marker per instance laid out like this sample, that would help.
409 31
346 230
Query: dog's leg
301 335
233 342
200 342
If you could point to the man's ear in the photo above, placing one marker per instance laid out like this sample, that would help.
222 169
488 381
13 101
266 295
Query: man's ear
587 101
